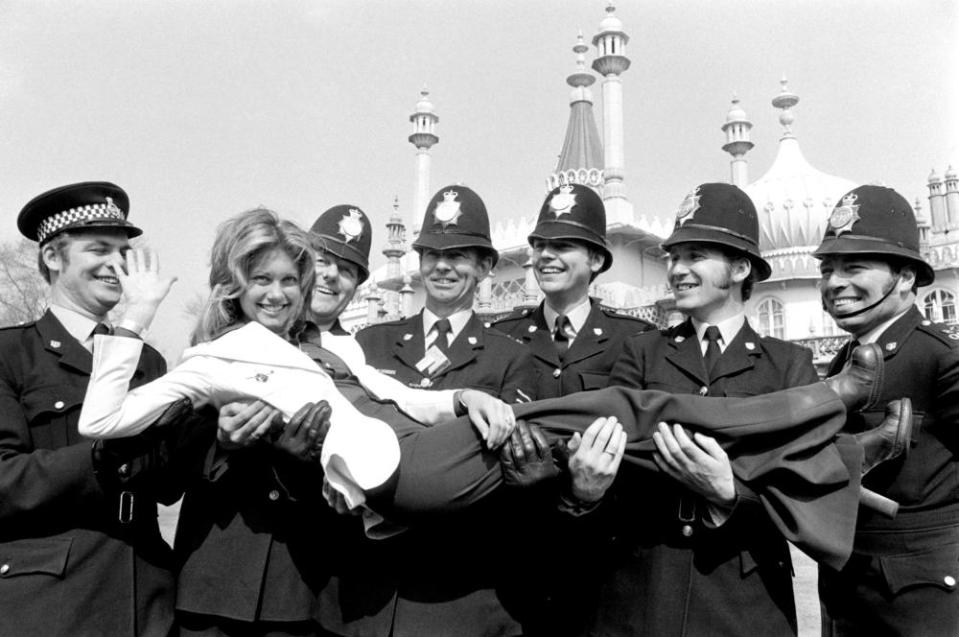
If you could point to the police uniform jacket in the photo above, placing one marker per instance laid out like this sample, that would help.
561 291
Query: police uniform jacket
443 577
481 358
903 573
591 355
672 574
67 567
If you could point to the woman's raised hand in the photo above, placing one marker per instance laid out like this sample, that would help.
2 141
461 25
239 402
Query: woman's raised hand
143 287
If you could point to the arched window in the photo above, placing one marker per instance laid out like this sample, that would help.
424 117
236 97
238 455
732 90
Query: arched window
939 306
771 318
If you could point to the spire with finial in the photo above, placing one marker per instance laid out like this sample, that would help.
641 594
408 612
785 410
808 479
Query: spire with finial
581 160
737 144
423 137
785 101
395 241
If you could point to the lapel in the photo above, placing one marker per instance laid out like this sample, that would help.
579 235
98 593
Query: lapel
741 354
466 346
536 335
59 343
685 353
410 344
591 340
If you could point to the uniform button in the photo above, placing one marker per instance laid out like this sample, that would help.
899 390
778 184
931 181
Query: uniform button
703 390
557 372
58 404
4 569
124 470
273 495
687 530
949 580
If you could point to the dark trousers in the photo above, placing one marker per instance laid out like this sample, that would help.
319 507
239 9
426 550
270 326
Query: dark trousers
783 444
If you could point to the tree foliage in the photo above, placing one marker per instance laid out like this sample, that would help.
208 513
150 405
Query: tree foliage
23 292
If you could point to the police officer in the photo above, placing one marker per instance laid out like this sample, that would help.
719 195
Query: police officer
423 582
446 344
901 579
727 567
72 561
574 340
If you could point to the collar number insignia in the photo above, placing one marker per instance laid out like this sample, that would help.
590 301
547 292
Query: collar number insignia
351 225
448 211
687 208
562 202
843 217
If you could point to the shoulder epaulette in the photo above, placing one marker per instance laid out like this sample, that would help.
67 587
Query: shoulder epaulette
18 326
945 332
515 315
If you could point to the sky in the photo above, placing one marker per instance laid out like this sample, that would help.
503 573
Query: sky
203 109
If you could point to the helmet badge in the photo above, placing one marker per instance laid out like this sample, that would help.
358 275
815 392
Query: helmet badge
448 211
351 225
688 207
844 216
562 202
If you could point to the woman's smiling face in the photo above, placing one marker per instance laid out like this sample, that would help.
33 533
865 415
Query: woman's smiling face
273 297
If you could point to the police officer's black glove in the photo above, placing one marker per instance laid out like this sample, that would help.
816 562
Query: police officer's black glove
526 458
133 464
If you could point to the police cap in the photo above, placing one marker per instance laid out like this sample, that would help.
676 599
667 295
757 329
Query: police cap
875 220
720 214
574 212
456 218
89 205
345 231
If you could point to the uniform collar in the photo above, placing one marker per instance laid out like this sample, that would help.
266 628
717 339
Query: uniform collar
577 316
728 329
873 335
458 321
77 325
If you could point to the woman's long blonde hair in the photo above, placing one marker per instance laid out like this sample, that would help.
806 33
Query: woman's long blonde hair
240 242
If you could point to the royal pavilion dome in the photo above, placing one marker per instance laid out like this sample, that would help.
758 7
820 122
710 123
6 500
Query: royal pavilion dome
794 201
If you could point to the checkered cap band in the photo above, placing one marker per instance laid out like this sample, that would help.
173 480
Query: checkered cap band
106 211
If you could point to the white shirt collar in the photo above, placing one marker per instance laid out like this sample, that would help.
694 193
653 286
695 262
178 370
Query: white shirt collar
728 330
77 325
873 335
458 321
577 316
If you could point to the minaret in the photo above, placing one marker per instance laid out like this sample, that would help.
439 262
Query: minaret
423 138
937 203
395 242
581 160
737 143
611 62
952 198
923 225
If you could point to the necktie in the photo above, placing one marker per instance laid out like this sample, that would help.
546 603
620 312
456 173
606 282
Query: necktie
442 341
712 349
102 328
561 335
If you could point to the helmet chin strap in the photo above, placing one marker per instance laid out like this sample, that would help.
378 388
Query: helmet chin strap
889 290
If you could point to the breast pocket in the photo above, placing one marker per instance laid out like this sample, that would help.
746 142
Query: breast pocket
52 412
47 557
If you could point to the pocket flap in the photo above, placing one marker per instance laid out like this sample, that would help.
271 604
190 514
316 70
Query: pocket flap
24 557
594 380
937 566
